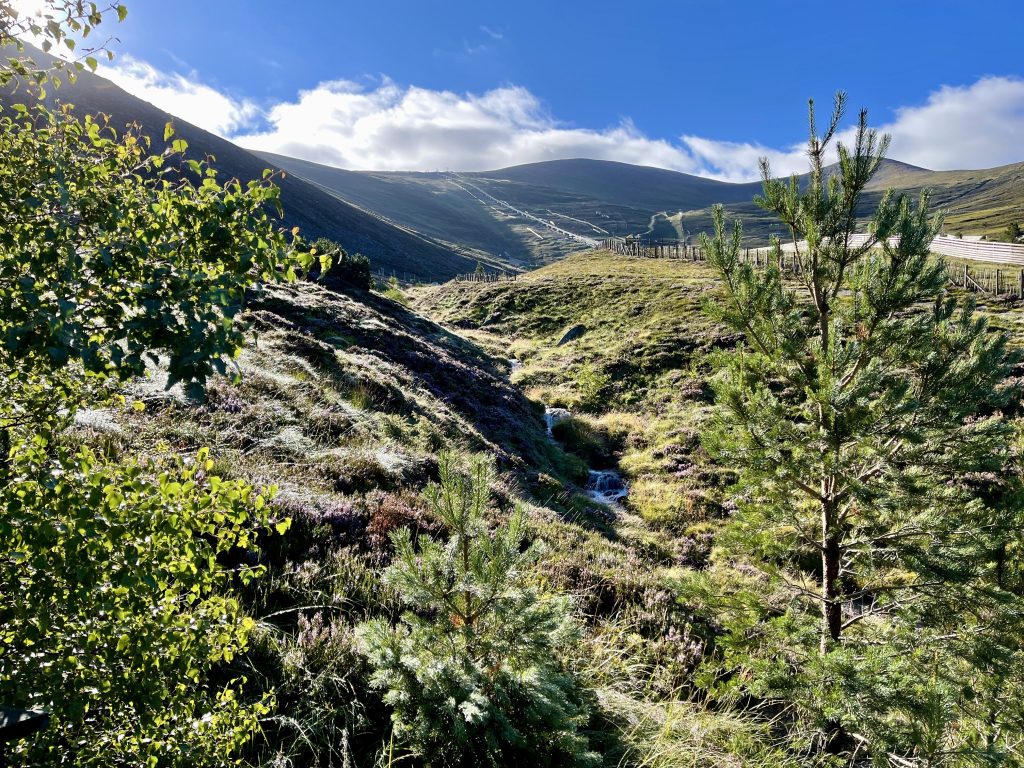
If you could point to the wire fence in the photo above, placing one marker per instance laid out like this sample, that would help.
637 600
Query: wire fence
996 281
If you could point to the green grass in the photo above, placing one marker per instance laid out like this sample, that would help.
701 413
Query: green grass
344 404
646 336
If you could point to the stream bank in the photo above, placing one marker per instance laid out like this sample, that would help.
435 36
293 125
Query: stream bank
604 486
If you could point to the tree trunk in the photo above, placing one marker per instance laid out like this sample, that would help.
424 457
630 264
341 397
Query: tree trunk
837 740
5 456
831 605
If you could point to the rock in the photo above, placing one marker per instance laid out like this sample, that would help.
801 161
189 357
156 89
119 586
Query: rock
572 334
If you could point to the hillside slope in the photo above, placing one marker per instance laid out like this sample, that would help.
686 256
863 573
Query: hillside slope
518 212
978 202
426 202
344 402
316 212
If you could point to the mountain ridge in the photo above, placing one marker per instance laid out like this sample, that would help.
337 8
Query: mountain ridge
484 210
315 211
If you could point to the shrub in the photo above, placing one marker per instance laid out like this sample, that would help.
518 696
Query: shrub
120 612
471 672
389 512
394 291
350 268
592 385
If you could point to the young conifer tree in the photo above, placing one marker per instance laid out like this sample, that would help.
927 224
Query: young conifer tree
862 394
471 672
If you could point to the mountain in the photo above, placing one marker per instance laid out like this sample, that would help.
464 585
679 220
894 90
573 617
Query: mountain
622 184
978 202
428 203
524 212
316 211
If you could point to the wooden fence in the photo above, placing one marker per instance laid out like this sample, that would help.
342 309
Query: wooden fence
1000 282
486 277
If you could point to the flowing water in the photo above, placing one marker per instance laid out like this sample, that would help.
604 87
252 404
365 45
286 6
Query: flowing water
607 487
554 415
604 486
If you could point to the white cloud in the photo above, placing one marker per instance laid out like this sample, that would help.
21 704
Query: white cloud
394 128
391 127
974 126
739 161
182 96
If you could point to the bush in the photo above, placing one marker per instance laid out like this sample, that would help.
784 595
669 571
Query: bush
350 268
394 291
592 385
471 672
120 614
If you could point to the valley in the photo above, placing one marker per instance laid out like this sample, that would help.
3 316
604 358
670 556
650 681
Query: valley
523 457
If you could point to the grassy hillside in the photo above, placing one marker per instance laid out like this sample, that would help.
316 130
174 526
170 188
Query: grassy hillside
635 376
981 202
344 402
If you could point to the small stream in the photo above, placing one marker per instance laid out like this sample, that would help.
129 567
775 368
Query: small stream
607 487
604 486
552 416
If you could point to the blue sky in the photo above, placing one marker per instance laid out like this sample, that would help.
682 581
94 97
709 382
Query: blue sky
699 86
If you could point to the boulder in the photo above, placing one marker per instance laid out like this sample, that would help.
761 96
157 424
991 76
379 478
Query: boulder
572 334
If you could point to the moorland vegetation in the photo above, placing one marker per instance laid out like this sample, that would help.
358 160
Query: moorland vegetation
260 510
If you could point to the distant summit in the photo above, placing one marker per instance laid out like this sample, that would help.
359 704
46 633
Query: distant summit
621 183
431 226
